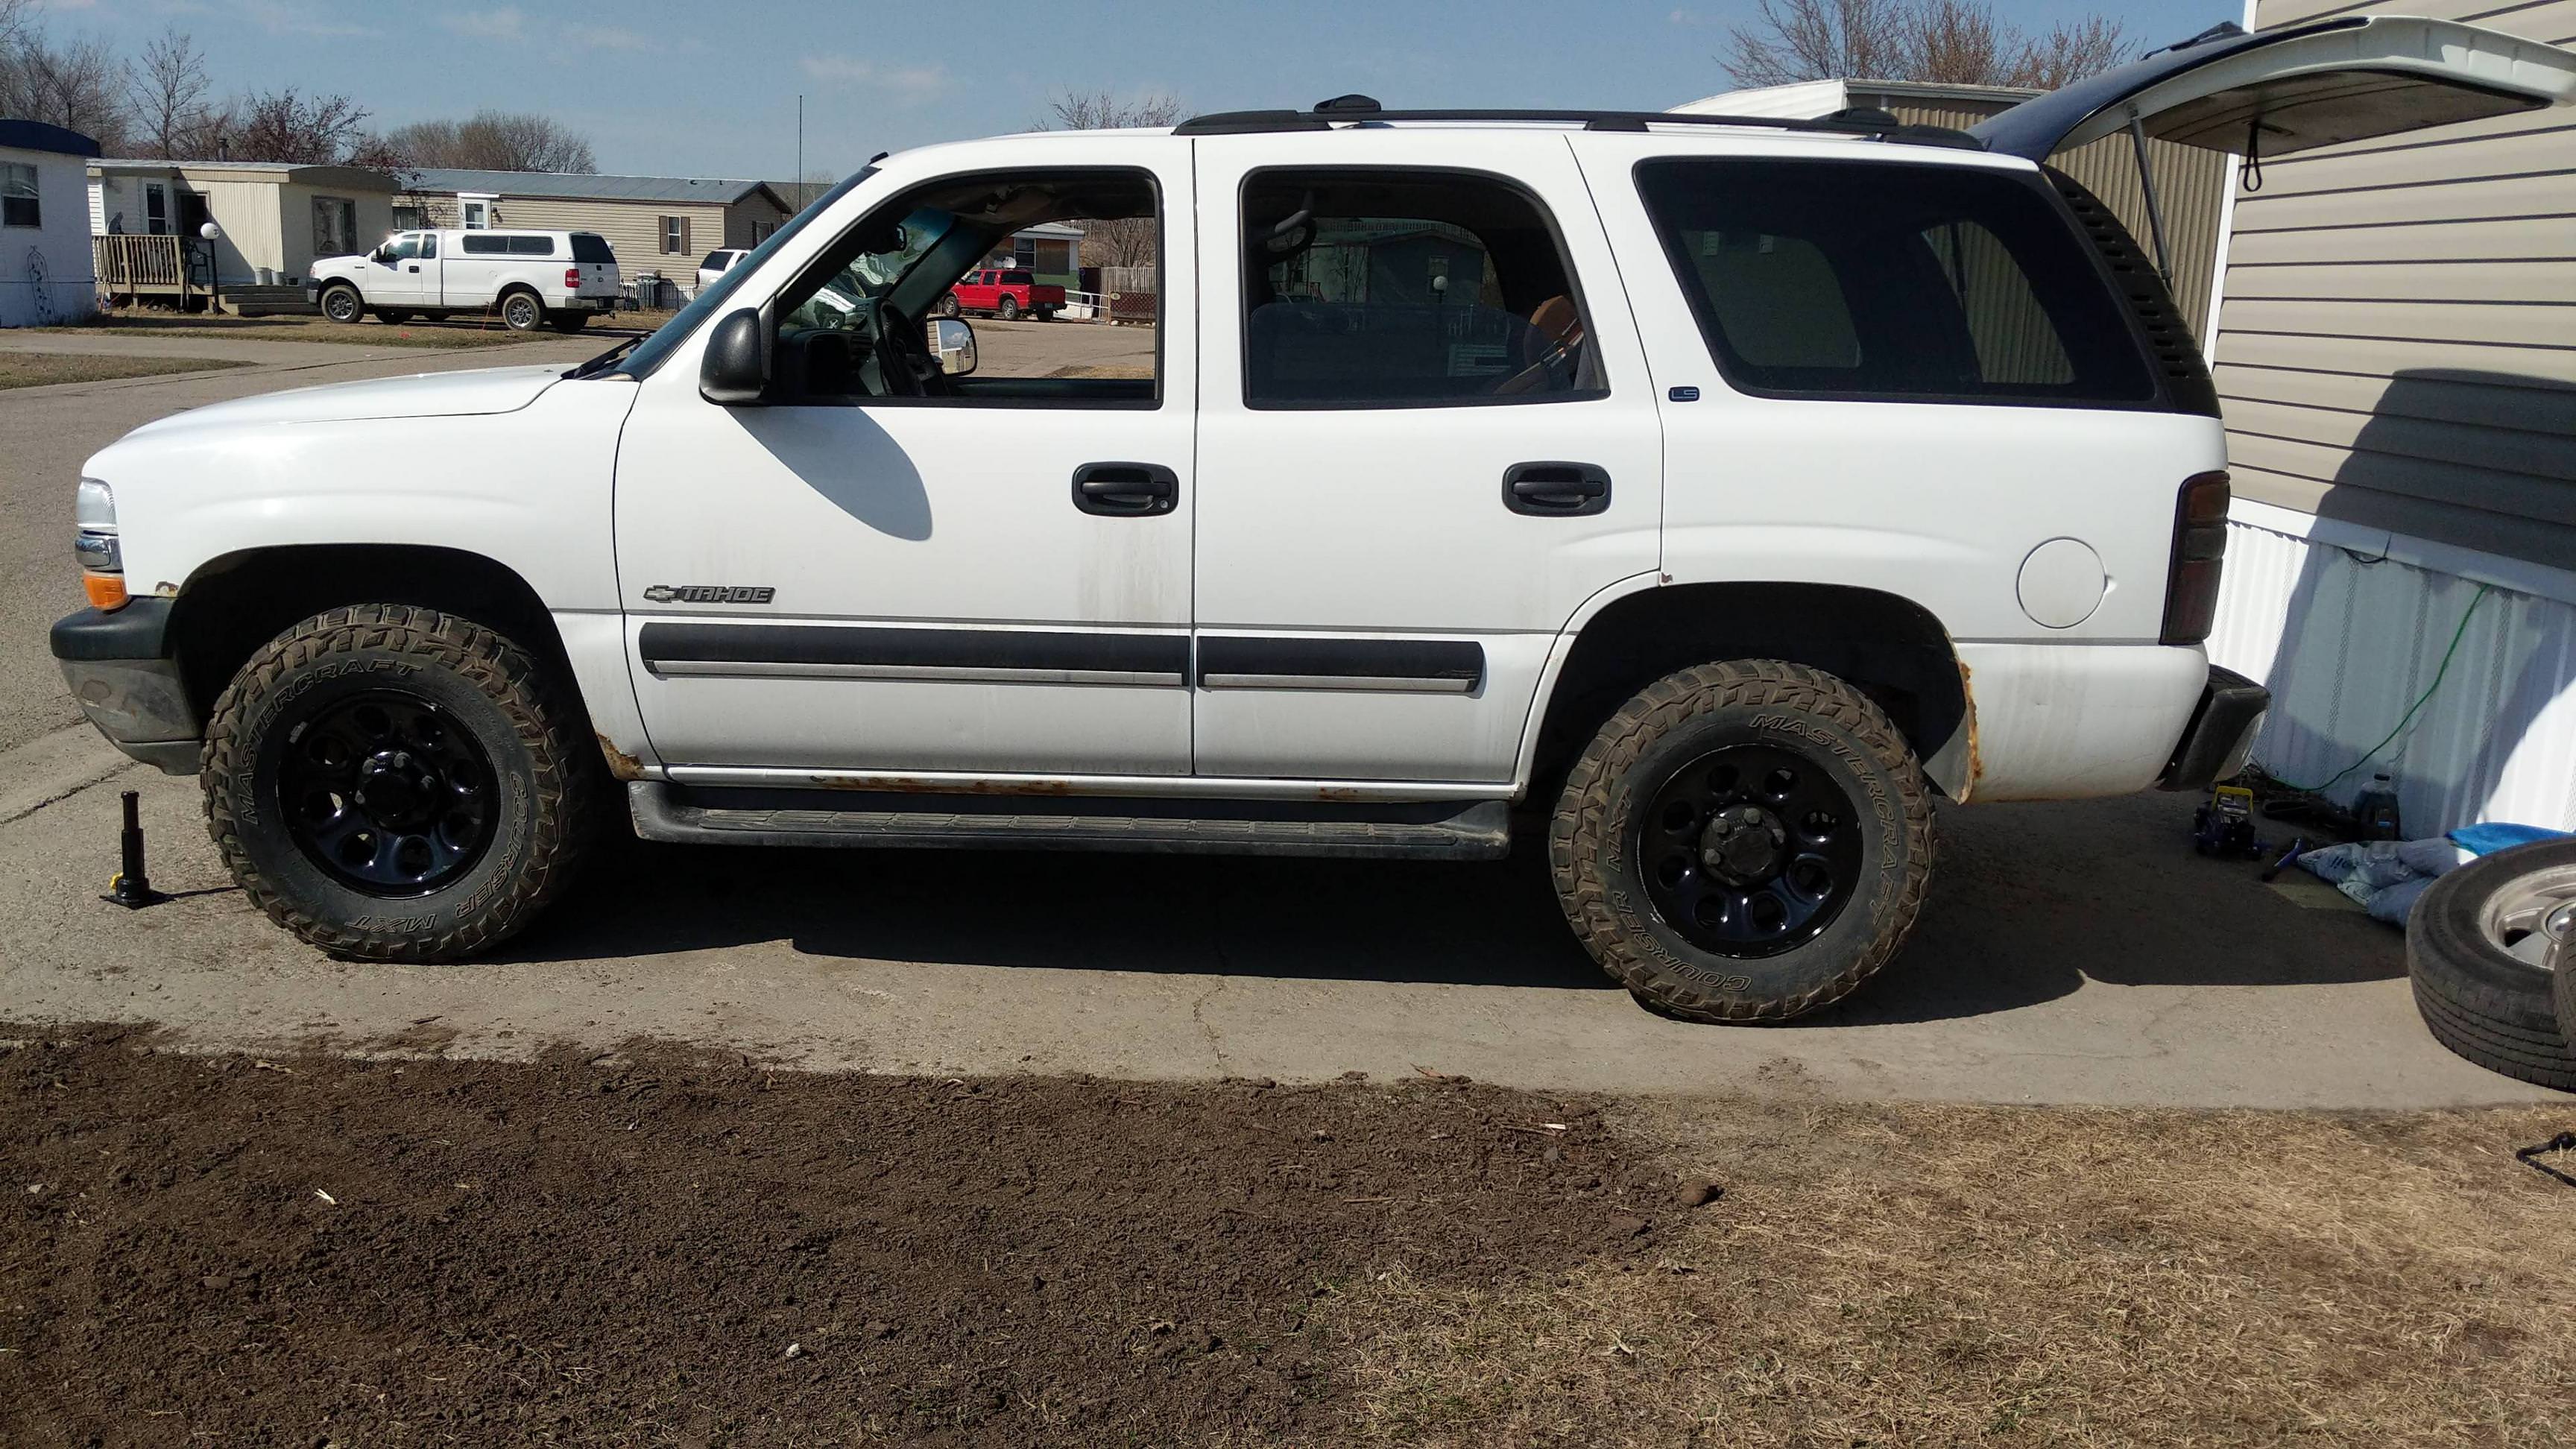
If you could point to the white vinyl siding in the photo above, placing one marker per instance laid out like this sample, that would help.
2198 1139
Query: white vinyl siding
2397 340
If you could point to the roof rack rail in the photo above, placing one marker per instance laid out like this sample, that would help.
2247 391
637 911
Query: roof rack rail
1360 110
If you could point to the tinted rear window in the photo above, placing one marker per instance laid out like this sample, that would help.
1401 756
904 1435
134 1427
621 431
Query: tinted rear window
591 247
1872 280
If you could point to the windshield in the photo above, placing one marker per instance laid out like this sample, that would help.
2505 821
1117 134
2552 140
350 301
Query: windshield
841 301
649 355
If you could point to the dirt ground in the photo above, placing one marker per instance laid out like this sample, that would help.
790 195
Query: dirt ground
461 331
43 369
659 1247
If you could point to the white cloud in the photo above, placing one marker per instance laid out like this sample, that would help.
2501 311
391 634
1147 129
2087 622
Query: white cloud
278 18
902 83
505 23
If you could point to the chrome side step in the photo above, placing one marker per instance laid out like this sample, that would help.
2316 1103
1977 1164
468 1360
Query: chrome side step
1440 830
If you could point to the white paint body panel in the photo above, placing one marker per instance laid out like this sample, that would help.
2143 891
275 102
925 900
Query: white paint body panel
937 515
1390 520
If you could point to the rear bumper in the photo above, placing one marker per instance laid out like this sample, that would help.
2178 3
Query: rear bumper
121 671
2221 732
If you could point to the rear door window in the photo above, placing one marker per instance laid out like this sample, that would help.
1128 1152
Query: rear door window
1377 288
1879 281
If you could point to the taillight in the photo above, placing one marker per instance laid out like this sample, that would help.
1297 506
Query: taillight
572 277
2199 548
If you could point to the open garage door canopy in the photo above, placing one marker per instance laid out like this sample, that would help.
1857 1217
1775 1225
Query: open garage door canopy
2273 92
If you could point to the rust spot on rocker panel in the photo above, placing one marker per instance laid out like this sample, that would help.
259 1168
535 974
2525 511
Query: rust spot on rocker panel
1968 722
621 765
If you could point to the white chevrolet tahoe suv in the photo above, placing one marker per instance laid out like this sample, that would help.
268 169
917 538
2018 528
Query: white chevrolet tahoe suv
528 278
1704 496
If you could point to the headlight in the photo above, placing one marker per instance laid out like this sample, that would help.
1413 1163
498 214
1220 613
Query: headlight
94 506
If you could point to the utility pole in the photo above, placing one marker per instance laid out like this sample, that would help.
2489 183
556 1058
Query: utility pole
802 200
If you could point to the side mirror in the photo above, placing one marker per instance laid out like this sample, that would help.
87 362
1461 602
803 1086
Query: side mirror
381 255
953 343
735 370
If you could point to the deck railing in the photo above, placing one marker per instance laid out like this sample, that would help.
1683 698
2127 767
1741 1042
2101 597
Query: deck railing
136 265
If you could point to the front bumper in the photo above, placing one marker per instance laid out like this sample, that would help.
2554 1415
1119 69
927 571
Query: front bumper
2221 732
121 670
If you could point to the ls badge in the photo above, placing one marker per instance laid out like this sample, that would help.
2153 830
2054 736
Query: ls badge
710 594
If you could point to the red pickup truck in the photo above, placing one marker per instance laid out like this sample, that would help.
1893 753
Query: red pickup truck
1005 294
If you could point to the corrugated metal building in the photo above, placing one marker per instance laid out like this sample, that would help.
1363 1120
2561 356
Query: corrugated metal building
657 224
2396 354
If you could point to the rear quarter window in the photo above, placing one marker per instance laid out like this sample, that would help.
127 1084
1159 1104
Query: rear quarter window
1885 281
532 246
483 244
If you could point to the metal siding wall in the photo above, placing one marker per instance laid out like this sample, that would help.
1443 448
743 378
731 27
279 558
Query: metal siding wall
2191 184
2346 644
2396 346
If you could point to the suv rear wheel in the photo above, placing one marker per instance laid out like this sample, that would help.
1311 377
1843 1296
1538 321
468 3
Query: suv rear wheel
397 784
1743 841
341 302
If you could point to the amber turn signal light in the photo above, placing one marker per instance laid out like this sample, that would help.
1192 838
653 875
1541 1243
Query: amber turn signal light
106 591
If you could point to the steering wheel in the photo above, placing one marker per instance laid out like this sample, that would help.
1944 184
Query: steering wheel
894 366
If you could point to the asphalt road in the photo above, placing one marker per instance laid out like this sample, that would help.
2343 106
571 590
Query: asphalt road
2072 953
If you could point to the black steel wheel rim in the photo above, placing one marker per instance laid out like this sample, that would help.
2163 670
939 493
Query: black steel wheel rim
1749 850
388 793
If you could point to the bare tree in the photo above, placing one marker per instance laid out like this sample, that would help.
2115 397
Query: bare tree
1804 40
75 86
2070 51
1117 241
1104 111
165 92
496 141
290 126
1955 42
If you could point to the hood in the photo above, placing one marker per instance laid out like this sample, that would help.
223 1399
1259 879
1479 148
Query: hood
422 395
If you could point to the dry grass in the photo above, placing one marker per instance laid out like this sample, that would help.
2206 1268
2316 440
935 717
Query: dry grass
42 369
1895 1275
1144 368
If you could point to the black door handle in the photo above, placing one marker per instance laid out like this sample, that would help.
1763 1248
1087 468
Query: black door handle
1556 490
1125 490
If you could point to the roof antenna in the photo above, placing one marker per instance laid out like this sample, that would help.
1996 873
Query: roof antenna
1353 104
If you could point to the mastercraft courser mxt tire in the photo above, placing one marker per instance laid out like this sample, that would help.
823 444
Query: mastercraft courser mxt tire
2476 997
1795 724
444 720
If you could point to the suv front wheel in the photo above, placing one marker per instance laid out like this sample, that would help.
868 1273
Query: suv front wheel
1743 842
392 783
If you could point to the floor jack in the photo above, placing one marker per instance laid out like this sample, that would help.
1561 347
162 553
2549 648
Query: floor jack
132 889
2225 825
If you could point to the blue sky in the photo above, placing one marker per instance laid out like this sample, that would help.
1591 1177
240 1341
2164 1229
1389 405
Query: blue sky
708 87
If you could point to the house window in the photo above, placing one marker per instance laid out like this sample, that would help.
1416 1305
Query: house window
156 208
18 199
407 218
335 226
762 231
675 236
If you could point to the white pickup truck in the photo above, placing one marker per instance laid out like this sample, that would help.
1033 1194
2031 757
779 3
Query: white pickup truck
529 278
1698 498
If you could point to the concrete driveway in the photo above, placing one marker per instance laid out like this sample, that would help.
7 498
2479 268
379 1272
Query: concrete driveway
2072 953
